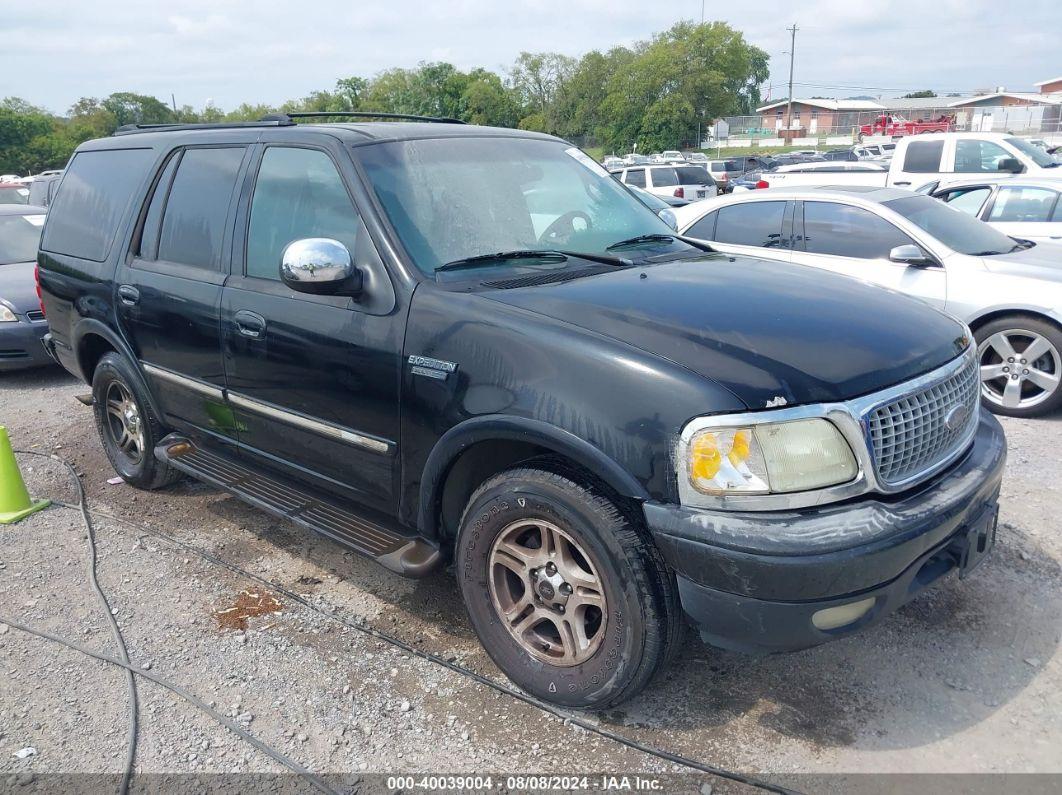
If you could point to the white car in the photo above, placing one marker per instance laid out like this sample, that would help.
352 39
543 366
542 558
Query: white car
697 158
613 163
683 182
1008 291
1019 206
873 151
673 156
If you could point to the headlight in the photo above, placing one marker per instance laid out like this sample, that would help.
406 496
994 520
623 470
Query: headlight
768 458
6 315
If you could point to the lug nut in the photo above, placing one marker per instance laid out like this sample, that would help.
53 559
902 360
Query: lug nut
1010 358
560 608
565 588
551 568
1023 361
1006 369
1014 377
1024 372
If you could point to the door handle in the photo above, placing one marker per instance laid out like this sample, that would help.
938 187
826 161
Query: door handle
128 295
249 324
901 183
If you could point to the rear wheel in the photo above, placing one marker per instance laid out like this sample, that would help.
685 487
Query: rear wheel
1021 366
126 425
568 596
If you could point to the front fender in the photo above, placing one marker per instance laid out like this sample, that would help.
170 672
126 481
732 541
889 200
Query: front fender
521 429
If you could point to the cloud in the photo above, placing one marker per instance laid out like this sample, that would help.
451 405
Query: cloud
267 51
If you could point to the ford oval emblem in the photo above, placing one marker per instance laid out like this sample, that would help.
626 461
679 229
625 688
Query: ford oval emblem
956 418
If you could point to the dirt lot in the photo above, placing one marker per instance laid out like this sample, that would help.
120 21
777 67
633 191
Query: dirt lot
966 679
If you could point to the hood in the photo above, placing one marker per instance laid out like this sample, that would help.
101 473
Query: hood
1042 261
18 288
771 333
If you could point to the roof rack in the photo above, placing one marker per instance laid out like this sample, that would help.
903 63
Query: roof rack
281 120
363 114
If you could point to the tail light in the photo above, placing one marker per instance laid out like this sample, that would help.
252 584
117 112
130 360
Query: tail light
763 184
680 193
37 282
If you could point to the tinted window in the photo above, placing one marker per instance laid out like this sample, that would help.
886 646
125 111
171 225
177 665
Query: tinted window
845 231
751 224
97 188
149 237
704 229
693 175
664 177
298 194
636 177
923 157
954 229
1023 204
969 200
972 156
19 236
14 194
193 225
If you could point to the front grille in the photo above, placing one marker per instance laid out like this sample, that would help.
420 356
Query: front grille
911 434
35 315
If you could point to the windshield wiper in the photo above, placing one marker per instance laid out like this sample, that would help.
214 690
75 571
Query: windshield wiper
656 237
501 256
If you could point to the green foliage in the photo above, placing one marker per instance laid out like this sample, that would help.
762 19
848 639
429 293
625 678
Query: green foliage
656 94
924 94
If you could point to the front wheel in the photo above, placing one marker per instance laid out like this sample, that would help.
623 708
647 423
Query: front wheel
1021 365
568 597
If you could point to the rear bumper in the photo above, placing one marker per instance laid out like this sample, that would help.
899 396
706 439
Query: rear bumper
753 581
20 345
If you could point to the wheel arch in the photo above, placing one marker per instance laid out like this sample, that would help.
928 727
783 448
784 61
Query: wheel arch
92 340
469 453
997 314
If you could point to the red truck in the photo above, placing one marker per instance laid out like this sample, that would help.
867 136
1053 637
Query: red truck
896 126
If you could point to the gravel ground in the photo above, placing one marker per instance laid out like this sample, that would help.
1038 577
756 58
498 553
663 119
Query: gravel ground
966 679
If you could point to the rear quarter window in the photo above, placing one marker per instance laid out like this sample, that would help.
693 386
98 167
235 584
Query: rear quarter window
923 157
96 190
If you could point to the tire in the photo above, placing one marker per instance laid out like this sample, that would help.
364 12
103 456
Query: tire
626 643
1038 388
120 404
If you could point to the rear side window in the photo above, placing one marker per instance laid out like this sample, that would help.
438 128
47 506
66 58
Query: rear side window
751 224
86 213
693 175
969 200
844 231
664 177
193 223
923 157
636 177
704 229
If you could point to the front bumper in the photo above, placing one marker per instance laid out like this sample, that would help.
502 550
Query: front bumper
20 345
753 581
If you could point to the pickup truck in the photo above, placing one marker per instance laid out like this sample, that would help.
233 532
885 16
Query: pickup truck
926 159
897 126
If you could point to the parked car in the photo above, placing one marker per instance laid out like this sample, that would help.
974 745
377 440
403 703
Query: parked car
10 178
895 126
1008 291
635 160
674 156
873 151
1020 207
696 158
752 180
682 182
42 189
821 173
613 163
13 193
843 155
22 323
448 342
924 158
747 163
723 171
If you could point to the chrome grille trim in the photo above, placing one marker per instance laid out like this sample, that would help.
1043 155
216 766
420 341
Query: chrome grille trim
911 435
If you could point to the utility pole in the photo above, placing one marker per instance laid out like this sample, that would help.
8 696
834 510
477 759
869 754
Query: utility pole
702 12
792 49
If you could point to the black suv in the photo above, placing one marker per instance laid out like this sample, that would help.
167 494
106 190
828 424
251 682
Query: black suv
434 342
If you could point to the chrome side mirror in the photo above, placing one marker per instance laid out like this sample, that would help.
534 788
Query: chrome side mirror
668 217
319 265
911 255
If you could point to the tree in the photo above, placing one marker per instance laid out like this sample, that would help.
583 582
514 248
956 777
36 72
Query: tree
924 94
540 80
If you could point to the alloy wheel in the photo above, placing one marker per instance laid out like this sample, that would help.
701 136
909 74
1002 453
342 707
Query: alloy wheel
1019 368
547 592
124 422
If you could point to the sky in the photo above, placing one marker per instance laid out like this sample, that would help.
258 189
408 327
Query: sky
232 51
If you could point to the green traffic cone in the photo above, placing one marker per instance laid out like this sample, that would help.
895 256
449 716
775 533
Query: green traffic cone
15 502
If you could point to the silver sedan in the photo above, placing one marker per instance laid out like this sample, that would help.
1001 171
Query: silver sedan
1008 290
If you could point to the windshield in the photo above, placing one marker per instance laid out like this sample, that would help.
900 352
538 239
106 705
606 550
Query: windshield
1033 152
19 236
954 228
14 194
453 198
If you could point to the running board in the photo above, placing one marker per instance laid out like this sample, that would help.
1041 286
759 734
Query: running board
402 554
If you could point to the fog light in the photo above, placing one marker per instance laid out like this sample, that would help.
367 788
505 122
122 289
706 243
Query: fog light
834 617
